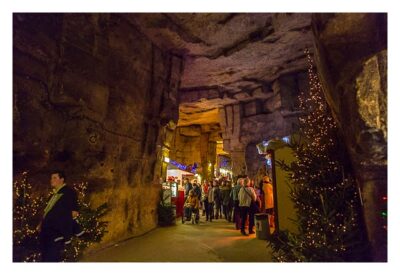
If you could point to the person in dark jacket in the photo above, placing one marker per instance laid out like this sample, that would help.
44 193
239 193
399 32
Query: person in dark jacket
217 201
197 190
225 199
58 224
204 199
234 196
188 187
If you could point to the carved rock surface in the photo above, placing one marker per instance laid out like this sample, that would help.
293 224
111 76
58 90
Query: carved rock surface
91 94
229 57
351 51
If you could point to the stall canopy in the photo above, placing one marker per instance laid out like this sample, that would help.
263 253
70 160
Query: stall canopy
177 173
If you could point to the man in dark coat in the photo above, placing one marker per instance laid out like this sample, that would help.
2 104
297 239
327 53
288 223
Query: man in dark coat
58 223
188 187
197 190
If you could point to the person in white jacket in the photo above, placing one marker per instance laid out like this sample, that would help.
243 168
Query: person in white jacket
246 196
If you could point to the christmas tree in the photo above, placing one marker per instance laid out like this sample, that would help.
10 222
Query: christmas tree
28 211
26 216
90 219
326 197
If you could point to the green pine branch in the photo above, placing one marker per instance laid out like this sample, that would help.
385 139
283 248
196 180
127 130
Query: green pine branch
324 194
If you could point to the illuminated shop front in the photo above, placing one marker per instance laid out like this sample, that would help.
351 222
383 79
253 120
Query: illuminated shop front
277 191
224 165
173 185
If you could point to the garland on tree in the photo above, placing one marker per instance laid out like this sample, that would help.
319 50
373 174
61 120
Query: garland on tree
28 211
326 197
90 219
26 216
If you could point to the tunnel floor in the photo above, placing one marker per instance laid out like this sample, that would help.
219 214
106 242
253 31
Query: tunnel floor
205 242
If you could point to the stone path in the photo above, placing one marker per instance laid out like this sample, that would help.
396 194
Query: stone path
206 242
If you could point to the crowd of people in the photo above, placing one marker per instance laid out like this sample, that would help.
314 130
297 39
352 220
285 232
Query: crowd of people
237 203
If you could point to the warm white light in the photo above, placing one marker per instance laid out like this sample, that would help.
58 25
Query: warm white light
223 171
198 177
166 159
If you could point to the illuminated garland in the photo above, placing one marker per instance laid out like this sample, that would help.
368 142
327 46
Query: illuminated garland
189 168
26 217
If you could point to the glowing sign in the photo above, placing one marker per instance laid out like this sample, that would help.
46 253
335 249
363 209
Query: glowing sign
286 139
189 168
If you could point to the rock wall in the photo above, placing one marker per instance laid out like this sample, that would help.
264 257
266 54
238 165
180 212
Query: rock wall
247 123
351 52
245 65
233 52
91 94
196 143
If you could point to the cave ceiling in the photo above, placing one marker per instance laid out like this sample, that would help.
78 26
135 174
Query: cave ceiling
229 57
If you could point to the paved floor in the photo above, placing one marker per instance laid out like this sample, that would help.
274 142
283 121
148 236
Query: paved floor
205 242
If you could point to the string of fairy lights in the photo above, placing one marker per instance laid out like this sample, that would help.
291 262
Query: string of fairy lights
25 212
318 177
28 210
94 229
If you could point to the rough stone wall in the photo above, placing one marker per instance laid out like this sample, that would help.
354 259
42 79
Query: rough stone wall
351 51
196 143
247 123
91 93
232 51
236 62
186 145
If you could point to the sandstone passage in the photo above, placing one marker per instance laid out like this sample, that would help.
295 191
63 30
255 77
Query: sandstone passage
134 104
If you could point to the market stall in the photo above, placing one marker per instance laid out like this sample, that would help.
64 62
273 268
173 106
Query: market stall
277 188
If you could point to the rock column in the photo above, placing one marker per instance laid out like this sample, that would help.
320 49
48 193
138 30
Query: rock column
351 53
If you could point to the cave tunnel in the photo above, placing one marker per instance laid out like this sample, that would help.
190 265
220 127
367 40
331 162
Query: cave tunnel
116 101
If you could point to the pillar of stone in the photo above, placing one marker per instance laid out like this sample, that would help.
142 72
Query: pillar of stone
351 56
238 163
212 157
204 139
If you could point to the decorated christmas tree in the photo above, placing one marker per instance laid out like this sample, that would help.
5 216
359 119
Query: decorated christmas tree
90 220
326 197
28 211
26 216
